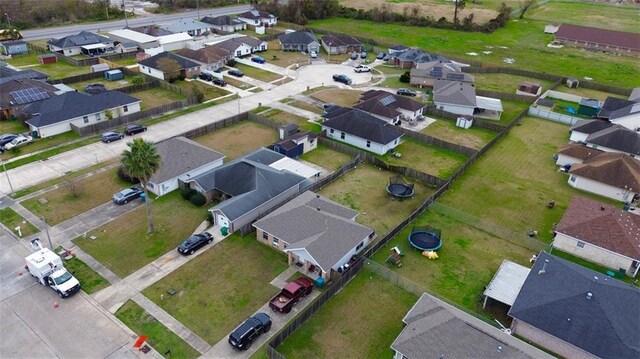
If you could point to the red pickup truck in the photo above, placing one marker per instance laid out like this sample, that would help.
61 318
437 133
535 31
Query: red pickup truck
291 294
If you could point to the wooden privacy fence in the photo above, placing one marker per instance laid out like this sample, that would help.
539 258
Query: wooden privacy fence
506 96
477 122
467 151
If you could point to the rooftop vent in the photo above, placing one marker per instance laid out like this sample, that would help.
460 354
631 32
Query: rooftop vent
589 295
544 267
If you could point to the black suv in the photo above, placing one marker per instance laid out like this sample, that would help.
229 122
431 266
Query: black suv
342 78
236 73
206 77
249 331
219 82
194 242
133 129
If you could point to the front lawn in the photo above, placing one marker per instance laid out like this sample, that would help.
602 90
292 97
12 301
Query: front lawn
474 137
209 90
253 136
11 219
156 96
283 117
306 106
340 97
90 280
123 245
425 158
41 143
233 81
15 126
218 289
257 73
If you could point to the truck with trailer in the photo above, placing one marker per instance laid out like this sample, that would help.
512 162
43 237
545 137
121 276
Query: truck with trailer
291 294
48 269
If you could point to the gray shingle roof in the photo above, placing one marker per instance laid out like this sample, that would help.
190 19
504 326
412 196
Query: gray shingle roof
555 301
324 228
437 330
297 38
6 100
183 61
185 26
590 126
181 155
385 104
256 14
81 39
221 20
618 138
341 40
361 124
418 56
454 92
612 104
8 74
74 104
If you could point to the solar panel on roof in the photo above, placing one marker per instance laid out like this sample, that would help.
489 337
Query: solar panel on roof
387 100
455 76
29 95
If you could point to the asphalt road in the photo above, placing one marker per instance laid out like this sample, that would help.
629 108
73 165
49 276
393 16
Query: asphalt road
57 32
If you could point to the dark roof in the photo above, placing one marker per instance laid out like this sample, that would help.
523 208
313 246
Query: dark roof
298 37
618 138
7 100
545 102
385 104
151 30
181 155
602 225
8 74
361 124
454 92
599 36
81 39
221 20
416 55
435 329
439 70
529 87
255 14
613 104
615 169
12 42
233 43
341 40
578 151
74 104
555 301
205 55
398 48
590 126
183 61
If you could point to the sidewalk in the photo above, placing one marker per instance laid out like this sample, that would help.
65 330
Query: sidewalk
294 110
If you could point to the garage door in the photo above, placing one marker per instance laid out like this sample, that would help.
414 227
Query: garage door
222 221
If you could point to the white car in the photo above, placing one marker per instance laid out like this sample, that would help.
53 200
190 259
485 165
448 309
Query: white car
313 54
18 141
362 68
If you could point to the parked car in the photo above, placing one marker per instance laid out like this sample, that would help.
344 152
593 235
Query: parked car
236 73
363 55
386 57
291 294
131 130
313 54
406 92
258 59
18 142
380 55
127 195
219 82
354 56
249 331
6 138
205 76
328 106
362 68
342 78
193 243
111 136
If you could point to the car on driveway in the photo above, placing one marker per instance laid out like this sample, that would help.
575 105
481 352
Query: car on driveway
354 56
249 331
131 130
18 142
362 68
236 73
219 82
363 55
258 59
380 55
342 78
127 195
406 92
5 139
205 76
193 243
111 136
313 54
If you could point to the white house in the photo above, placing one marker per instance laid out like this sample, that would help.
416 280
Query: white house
189 26
361 129
182 159
455 97
151 66
56 114
225 23
621 112
612 175
583 128
84 42
143 41
258 18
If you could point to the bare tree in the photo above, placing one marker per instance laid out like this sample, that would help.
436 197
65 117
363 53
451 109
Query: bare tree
75 188
526 5
460 4
170 68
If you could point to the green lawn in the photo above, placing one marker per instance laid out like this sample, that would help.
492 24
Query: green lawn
390 70
394 83
209 90
425 158
607 16
27 59
361 321
14 126
258 74
305 106
474 137
111 85
326 158
163 339
283 117
90 280
156 96
11 219
511 110
124 246
225 140
40 143
233 81
218 289
505 82
341 97
282 58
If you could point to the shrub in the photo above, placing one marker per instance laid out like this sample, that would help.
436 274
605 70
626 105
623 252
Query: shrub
187 193
405 77
198 199
137 80
125 177
210 219
232 63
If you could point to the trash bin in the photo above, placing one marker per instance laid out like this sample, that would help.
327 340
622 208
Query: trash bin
320 282
143 197
224 231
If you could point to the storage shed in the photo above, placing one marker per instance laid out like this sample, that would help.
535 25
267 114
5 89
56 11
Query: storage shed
113 75
572 82
47 59
464 121
99 67
13 47
589 107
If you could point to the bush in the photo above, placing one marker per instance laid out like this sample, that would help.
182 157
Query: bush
125 177
405 77
232 63
137 80
210 219
198 199
187 193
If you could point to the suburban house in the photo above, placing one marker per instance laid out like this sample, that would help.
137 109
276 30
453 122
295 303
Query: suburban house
397 49
577 312
621 112
172 42
529 89
13 47
85 42
211 58
410 58
318 235
460 98
601 234
360 129
122 47
8 74
635 95
299 41
152 30
56 114
251 186
426 73
583 128
598 39
575 153
293 143
242 46
615 139
182 159
435 329
142 41
611 175
189 26
152 65
389 107
340 44
15 95
225 23
258 18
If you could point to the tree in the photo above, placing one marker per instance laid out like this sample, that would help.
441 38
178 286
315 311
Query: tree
460 4
170 68
526 5
141 161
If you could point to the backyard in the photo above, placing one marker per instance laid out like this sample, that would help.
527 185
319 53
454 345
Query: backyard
340 97
505 82
58 70
326 158
110 85
473 137
212 305
425 158
226 140
156 96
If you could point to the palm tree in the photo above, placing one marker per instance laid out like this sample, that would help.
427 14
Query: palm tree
141 161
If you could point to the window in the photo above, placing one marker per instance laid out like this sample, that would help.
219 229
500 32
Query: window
360 246
572 179
580 244
239 53
149 70
85 119
265 236
312 141
98 117
331 131
342 135
368 143
125 108
276 241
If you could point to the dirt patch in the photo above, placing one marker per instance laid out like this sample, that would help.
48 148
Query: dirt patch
431 8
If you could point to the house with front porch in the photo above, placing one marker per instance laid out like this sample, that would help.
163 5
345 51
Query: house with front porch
152 66
84 42
299 41
225 23
318 235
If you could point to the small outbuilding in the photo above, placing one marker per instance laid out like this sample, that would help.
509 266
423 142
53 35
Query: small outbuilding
572 82
99 67
464 121
114 75
545 104
47 59
14 47
551 28
529 89
589 107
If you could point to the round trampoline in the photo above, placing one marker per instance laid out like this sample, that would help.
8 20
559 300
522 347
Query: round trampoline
399 188
425 239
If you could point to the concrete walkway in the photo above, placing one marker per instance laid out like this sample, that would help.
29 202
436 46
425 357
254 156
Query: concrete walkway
294 110
281 280
30 217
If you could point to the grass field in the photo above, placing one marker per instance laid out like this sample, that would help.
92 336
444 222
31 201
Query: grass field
14 126
89 279
156 96
340 97
62 204
474 137
283 58
209 90
425 158
588 14
213 302
226 140
58 70
143 323
359 322
124 246
305 106
326 158
111 85
283 117
364 190
258 74
11 219
505 82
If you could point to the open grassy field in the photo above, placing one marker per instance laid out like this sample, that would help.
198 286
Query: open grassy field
588 14
364 190
326 158
11 219
213 302
283 58
209 90
425 158
92 191
143 323
227 140
124 246
524 40
258 74
359 322
156 96
505 82
340 97
283 117
90 280
474 137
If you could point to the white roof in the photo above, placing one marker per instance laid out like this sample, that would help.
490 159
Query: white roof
134 36
507 281
93 46
181 36
42 258
294 166
488 103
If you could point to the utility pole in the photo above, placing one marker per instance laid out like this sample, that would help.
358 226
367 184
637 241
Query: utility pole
125 14
4 168
46 228
198 7
106 8
8 19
